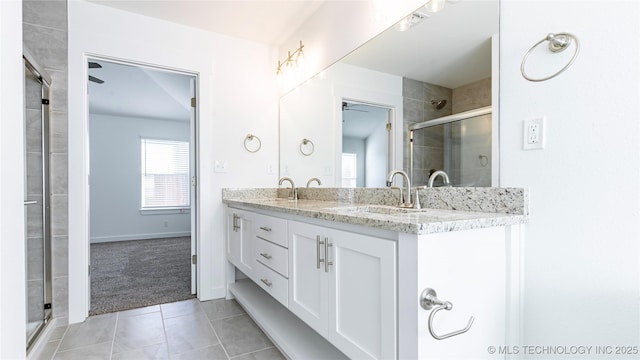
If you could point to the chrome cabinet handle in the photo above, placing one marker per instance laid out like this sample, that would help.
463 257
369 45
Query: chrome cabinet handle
32 202
235 222
327 263
266 282
266 256
265 228
428 299
318 260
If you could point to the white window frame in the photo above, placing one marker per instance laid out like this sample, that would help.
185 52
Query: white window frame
175 208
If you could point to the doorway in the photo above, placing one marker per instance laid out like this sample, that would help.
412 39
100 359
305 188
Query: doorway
142 161
366 144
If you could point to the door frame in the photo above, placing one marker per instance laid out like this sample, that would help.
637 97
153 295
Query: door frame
193 166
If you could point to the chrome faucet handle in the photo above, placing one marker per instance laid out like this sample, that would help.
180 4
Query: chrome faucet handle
293 193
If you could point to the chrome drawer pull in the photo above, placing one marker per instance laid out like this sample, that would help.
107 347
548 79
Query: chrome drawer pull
318 260
265 228
266 282
266 256
327 263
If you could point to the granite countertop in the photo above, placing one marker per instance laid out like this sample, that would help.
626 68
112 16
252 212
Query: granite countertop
482 207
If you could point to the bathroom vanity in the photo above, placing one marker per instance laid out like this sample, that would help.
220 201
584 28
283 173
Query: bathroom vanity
343 273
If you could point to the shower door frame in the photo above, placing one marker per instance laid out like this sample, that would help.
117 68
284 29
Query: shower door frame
45 81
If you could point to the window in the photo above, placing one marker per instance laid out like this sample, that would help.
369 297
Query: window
348 170
165 174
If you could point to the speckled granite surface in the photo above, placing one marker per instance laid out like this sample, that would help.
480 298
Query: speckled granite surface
444 209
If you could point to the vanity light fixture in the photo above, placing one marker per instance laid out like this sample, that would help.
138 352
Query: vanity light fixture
433 6
294 59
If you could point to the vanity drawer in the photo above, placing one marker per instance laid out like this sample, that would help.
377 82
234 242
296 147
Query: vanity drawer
273 256
272 229
273 283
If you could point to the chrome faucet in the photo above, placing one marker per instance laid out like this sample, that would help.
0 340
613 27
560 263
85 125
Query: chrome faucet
314 179
407 182
435 174
293 193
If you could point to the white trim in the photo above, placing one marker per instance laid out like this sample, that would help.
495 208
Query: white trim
103 239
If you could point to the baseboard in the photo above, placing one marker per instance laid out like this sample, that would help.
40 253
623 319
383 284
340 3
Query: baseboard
103 239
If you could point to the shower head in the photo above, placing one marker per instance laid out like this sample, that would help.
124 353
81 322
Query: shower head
438 104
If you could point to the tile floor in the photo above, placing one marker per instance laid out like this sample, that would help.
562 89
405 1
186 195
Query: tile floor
216 329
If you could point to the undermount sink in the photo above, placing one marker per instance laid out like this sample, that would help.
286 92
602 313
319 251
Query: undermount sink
379 209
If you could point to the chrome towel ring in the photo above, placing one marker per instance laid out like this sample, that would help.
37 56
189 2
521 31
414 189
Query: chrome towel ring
557 43
307 147
428 299
249 139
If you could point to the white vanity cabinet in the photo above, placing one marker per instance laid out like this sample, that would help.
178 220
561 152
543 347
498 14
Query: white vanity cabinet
343 285
240 241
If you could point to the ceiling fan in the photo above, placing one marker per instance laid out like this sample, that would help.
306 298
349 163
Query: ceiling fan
95 65
350 107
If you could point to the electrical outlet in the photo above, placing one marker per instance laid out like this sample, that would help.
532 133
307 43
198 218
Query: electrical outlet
271 169
533 131
166 223
285 169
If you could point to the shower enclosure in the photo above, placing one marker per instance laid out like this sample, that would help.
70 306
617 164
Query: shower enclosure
36 195
460 144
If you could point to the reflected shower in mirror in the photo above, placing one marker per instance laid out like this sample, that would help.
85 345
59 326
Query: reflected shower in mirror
445 64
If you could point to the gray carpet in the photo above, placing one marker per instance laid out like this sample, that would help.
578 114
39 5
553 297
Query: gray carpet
132 274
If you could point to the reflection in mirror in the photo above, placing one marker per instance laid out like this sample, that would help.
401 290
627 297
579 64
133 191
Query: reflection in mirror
365 145
444 64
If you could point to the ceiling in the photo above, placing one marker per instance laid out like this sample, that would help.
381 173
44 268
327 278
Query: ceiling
264 21
136 91
361 120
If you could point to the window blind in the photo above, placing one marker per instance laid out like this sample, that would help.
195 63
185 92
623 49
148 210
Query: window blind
165 173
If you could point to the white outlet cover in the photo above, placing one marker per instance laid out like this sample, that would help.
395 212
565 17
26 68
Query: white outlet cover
529 129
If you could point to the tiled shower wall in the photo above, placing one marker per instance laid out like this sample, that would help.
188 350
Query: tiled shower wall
428 152
45 35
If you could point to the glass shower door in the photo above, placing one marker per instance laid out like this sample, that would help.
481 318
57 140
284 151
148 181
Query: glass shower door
36 202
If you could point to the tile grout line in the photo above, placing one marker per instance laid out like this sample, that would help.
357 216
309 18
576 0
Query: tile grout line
253 352
60 342
214 331
164 332
115 329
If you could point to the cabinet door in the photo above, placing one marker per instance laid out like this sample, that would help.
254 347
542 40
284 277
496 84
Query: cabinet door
362 295
240 239
233 236
307 280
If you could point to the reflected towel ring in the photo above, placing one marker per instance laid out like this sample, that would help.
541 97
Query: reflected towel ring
250 138
484 160
557 43
305 143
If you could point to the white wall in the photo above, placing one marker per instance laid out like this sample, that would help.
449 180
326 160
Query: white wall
581 260
356 146
376 161
12 244
115 189
237 95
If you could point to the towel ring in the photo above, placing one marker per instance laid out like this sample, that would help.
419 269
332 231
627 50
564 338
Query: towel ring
250 138
304 143
557 43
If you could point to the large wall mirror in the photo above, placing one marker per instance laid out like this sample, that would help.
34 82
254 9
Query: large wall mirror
421 97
